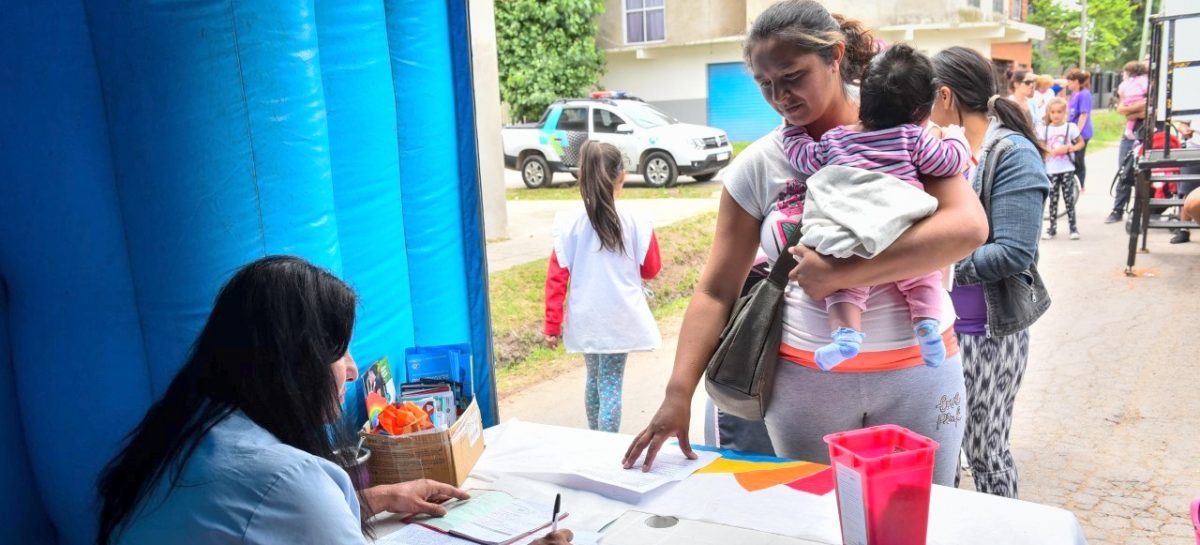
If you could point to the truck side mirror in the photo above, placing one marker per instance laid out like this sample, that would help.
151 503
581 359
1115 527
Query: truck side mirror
624 128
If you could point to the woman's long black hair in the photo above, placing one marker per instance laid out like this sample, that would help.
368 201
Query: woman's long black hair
970 77
267 349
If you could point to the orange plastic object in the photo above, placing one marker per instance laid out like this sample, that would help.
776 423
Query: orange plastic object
404 418
883 477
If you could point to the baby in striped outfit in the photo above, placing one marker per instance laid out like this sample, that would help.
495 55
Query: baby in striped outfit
896 95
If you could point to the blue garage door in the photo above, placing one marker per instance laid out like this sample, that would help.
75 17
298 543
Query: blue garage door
735 105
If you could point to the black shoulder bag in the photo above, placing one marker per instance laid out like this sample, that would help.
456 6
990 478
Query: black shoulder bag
741 372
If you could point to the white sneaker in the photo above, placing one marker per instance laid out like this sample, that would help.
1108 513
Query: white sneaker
1074 235
1047 236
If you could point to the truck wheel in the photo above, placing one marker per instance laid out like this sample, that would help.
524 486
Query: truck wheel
659 170
704 177
535 172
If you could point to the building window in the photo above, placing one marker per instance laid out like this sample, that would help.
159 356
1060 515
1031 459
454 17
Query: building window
1018 10
997 6
645 21
973 3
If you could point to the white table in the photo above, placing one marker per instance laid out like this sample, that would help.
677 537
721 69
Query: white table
957 517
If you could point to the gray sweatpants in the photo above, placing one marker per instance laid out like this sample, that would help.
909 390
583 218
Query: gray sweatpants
807 404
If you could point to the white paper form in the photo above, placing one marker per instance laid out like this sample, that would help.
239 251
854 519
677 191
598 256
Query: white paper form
414 534
669 466
585 460
491 517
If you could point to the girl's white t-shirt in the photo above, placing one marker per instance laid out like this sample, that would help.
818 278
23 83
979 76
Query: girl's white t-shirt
606 310
1059 135
765 185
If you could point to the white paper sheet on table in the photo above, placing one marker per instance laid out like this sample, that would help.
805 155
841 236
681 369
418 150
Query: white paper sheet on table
585 459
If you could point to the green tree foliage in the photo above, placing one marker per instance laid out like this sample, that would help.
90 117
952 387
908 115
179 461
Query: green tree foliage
1111 23
547 50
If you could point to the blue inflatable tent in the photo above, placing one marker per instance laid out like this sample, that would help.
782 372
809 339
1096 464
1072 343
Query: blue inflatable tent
151 148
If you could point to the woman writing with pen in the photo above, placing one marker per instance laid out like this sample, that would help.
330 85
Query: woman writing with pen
239 450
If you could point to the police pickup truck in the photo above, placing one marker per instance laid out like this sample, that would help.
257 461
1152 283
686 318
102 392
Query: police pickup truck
654 144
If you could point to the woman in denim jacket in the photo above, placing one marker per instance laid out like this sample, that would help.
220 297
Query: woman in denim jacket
998 293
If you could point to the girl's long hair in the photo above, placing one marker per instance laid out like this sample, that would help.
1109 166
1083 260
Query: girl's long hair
1056 101
972 81
600 166
266 350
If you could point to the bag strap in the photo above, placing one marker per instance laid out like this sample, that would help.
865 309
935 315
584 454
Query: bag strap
994 152
786 261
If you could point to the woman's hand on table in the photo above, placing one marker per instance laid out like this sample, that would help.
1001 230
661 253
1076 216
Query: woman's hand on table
672 420
815 273
561 537
422 496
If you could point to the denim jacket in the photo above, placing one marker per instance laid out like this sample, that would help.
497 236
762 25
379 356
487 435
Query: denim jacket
1019 190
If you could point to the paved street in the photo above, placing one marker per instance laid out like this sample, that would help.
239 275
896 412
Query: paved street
1107 422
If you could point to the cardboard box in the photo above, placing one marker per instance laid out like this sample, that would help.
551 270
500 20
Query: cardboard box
444 456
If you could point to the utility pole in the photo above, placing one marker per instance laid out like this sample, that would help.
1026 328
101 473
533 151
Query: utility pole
1083 36
1145 28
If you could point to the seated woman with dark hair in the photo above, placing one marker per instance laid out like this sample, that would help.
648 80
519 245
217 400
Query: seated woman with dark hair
240 449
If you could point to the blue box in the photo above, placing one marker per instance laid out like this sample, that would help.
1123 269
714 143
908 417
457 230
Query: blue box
449 362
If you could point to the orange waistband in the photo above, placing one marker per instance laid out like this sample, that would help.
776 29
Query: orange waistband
872 362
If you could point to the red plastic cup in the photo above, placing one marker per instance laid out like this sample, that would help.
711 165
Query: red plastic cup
883 476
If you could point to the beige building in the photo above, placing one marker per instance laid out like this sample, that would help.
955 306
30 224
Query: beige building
685 56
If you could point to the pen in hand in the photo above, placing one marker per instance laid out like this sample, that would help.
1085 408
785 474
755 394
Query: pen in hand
554 517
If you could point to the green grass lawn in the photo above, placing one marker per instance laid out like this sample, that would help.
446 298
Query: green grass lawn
517 299
563 193
1107 128
739 146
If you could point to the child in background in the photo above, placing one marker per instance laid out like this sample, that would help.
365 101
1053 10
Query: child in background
604 253
896 96
1061 139
1133 89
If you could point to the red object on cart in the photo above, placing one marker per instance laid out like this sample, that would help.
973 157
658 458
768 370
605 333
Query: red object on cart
1162 190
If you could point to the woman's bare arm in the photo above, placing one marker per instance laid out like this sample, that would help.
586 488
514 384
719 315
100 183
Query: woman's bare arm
1137 110
734 244
950 234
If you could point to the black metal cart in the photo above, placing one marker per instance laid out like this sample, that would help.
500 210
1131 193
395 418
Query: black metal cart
1140 220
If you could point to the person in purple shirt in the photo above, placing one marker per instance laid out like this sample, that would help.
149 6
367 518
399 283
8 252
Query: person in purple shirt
1079 112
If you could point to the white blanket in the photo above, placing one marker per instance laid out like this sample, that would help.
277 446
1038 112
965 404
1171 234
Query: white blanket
850 211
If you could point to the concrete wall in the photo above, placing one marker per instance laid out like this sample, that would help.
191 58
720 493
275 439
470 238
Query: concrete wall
668 73
687 21
487 117
877 13
1020 53
672 78
930 42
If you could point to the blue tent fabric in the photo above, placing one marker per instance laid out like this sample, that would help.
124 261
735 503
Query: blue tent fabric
25 521
220 147
73 330
153 148
474 237
361 112
427 133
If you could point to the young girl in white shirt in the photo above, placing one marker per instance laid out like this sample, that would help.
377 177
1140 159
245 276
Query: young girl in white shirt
1062 140
604 253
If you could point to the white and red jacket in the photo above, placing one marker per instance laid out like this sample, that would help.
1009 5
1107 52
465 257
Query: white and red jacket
606 309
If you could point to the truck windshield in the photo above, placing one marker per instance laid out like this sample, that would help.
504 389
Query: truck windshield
647 116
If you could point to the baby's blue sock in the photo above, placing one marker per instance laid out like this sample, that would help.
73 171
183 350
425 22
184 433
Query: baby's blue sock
845 345
929 338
